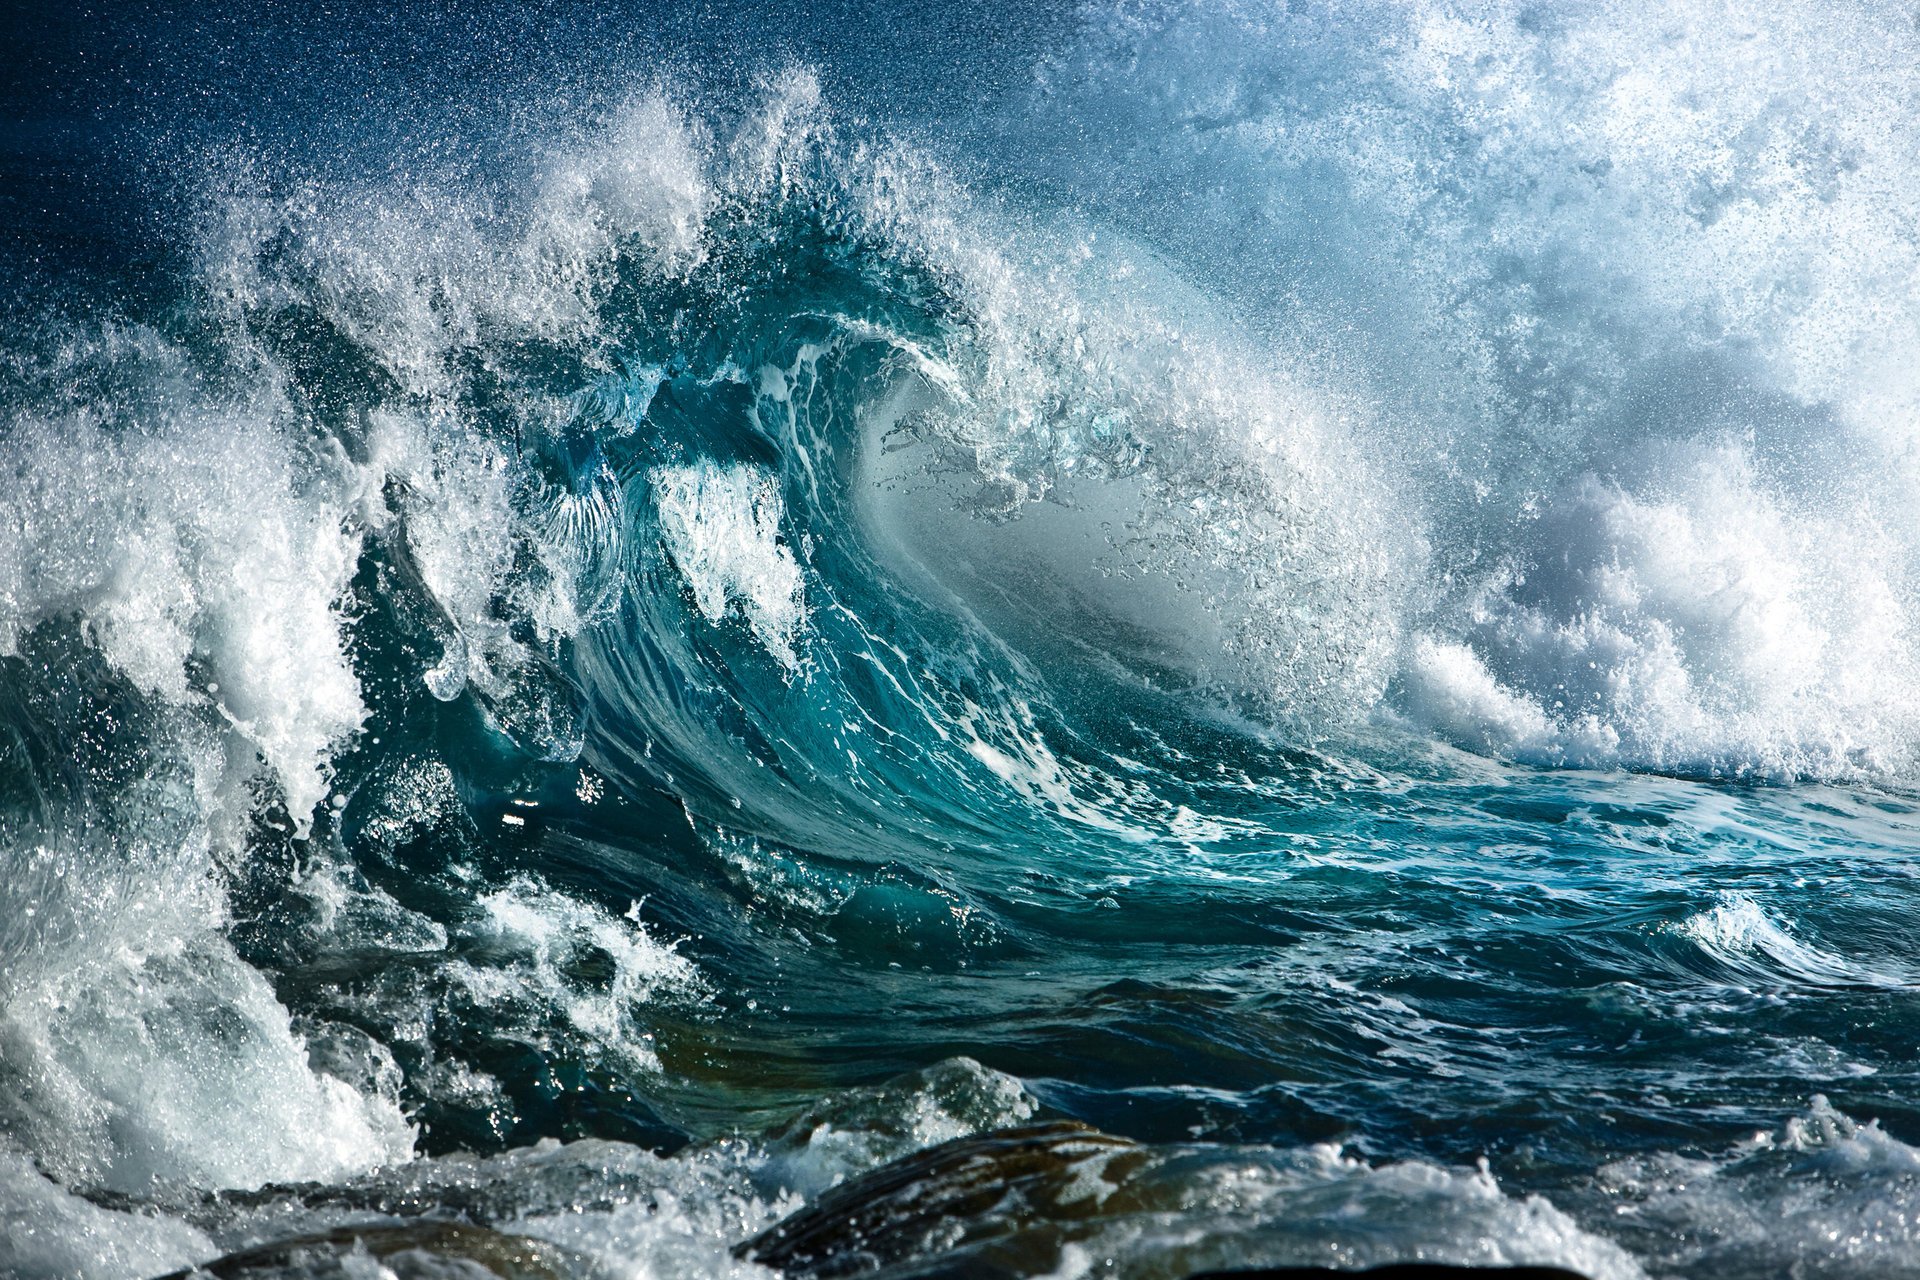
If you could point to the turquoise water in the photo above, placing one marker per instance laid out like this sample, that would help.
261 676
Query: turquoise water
657 610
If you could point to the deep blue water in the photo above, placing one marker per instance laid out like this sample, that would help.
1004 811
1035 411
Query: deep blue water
612 616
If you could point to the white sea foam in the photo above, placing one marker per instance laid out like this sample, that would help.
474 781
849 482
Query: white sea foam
1741 934
1698 623
640 178
1824 1195
722 526
176 550
190 536
1609 446
1502 369
178 1066
547 933
422 280
416 274
47 1233
630 1212
1320 1207
1562 389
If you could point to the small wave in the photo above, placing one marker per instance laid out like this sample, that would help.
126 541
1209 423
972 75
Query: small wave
1740 934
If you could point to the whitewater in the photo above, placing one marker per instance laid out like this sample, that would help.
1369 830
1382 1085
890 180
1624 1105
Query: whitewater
1124 640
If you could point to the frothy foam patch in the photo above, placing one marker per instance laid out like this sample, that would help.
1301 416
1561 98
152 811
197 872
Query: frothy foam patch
1700 623
722 527
552 936
207 558
179 1067
1321 1207
47 1233
447 337
642 177
1825 1195
632 1215
630 1212
856 1130
175 565
417 274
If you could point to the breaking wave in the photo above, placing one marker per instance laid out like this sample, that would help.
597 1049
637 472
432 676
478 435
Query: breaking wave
443 643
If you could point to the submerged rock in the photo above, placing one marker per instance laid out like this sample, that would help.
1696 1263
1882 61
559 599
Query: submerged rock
413 1251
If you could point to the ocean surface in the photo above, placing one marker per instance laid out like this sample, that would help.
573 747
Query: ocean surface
614 615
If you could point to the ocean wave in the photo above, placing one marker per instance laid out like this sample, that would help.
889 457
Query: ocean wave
886 542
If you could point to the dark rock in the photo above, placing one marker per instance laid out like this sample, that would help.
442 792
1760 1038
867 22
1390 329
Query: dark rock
958 1192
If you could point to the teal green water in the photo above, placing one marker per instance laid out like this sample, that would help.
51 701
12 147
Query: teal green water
1327 591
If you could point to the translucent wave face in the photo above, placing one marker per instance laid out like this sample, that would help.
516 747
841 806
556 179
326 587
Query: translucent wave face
1569 491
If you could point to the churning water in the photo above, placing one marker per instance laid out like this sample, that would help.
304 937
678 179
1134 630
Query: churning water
609 618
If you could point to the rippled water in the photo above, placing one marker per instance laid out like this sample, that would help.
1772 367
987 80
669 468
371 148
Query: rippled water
647 612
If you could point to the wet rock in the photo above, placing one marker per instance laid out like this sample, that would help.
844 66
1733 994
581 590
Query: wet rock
1014 1202
1395 1271
958 1193
413 1251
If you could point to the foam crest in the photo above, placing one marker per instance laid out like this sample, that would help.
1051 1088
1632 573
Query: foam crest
1739 933
641 177
451 338
206 558
415 275
722 527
